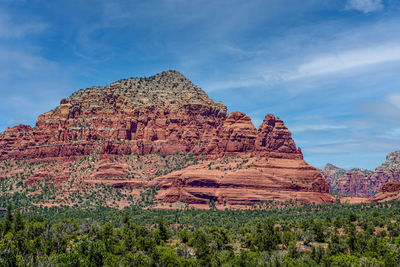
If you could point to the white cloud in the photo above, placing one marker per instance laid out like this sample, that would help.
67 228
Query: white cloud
318 127
365 6
21 63
394 99
240 83
346 60
9 29
364 145
386 109
392 133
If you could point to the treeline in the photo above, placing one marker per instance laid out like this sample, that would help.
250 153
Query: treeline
228 218
359 238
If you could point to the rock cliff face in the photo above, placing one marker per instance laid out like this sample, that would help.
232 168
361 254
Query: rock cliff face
391 187
363 183
168 114
164 113
332 174
390 191
356 183
244 181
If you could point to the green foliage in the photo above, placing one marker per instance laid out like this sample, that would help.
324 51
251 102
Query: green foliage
337 235
266 236
163 230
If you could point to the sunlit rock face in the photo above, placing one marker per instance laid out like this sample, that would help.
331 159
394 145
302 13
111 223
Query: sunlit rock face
167 114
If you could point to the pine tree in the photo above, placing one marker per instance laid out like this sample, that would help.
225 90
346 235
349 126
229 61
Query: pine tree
9 219
163 230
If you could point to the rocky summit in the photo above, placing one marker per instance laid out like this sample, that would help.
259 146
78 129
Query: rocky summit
361 182
231 162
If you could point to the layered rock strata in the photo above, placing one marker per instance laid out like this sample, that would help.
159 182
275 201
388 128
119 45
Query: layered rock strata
165 113
244 181
168 114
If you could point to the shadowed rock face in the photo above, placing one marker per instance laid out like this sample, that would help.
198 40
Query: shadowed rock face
363 183
167 113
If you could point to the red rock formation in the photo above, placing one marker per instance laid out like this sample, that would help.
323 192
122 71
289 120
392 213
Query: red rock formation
391 187
231 182
133 116
166 113
331 174
275 140
50 175
363 183
390 191
355 183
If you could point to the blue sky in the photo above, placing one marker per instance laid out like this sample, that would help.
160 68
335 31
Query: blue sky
329 69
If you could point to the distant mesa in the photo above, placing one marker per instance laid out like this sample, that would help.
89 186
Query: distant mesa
360 182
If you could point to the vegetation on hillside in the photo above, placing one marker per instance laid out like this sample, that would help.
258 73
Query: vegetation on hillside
308 235
86 181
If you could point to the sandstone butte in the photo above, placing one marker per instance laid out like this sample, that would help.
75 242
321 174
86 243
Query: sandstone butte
360 182
167 114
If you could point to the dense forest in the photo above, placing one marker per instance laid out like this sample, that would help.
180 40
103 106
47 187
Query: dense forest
285 235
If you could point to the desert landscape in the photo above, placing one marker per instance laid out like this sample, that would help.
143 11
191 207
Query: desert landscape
206 133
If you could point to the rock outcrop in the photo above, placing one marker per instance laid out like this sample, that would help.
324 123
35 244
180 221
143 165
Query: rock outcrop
360 182
168 114
389 171
244 181
390 191
276 140
391 187
332 174
355 183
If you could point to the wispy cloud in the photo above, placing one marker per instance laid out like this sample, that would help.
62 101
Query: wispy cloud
307 62
345 60
11 29
394 99
239 83
317 127
320 67
22 64
368 145
387 109
393 133
365 6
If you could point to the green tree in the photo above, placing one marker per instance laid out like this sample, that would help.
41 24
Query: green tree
200 241
266 237
163 230
9 219
136 259
19 223
317 229
166 256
